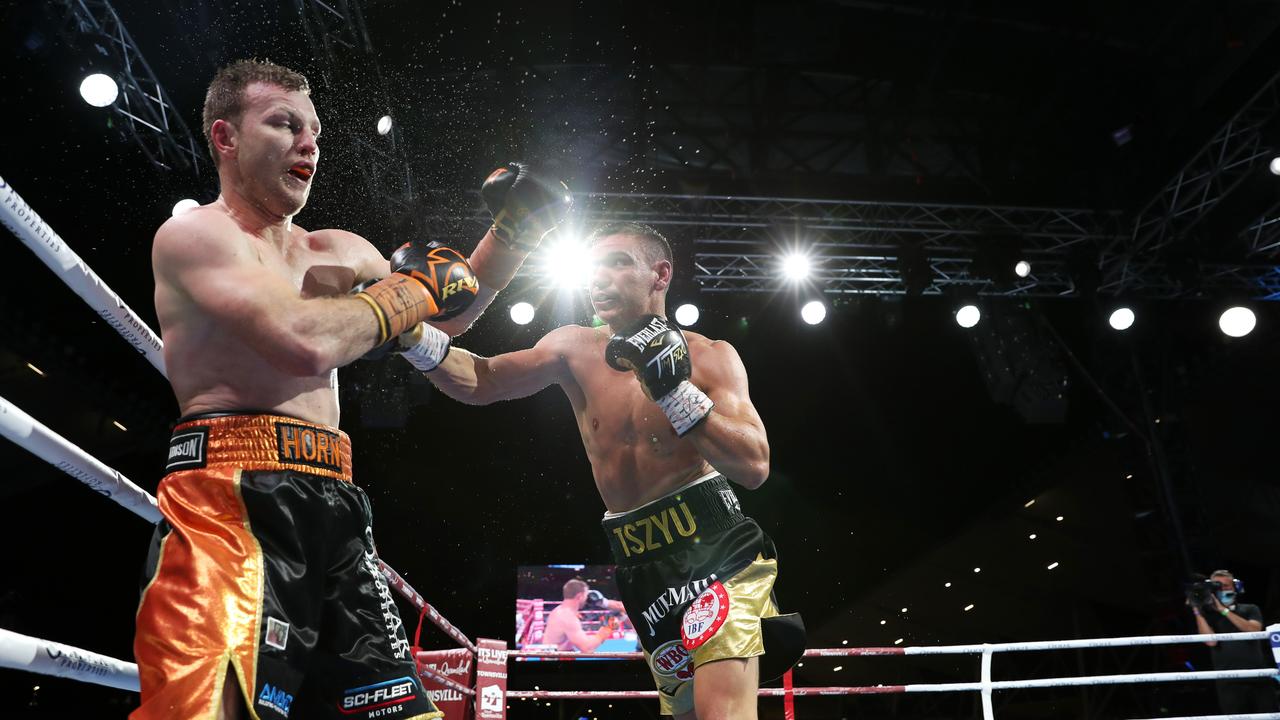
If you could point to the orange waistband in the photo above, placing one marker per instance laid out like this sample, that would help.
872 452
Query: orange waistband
260 442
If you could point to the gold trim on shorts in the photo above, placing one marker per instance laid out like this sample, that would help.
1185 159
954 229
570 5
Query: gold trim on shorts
750 599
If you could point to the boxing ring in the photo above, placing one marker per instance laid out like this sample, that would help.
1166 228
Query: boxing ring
471 679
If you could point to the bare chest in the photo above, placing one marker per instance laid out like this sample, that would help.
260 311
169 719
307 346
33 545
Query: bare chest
314 271
616 413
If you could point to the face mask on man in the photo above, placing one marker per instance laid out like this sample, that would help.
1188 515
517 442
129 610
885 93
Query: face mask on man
1227 597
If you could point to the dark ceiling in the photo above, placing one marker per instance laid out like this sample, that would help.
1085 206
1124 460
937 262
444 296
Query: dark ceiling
902 457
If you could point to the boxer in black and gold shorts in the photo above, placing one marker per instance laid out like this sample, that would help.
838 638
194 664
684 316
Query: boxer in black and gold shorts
697 576
265 566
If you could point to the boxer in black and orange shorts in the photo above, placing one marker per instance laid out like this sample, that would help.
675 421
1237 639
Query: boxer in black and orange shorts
265 566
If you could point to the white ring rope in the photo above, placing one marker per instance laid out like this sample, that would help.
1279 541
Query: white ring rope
1040 645
45 657
36 234
1137 640
29 433
1096 680
1245 716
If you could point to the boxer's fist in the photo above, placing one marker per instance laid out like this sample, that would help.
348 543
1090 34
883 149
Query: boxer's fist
655 351
443 271
594 600
525 207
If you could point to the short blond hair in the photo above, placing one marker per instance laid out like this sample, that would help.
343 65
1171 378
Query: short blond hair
225 97
574 587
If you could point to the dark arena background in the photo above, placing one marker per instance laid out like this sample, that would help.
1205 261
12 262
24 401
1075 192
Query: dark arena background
1038 476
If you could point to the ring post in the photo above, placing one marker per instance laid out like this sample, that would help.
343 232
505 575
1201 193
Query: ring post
491 680
988 710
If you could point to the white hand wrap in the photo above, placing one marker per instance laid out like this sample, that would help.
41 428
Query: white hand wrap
685 406
424 347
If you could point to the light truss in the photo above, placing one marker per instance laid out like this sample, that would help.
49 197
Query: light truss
861 248
1202 183
1262 237
144 109
881 275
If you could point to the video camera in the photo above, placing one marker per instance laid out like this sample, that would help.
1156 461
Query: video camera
1201 592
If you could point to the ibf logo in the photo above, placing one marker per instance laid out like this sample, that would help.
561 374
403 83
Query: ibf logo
275 698
381 695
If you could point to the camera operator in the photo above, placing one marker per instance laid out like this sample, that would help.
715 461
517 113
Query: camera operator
1213 601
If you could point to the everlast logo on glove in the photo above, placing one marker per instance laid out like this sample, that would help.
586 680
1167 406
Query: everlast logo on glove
656 327
310 446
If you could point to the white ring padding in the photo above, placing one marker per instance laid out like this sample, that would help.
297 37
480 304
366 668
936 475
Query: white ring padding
45 657
56 450
36 234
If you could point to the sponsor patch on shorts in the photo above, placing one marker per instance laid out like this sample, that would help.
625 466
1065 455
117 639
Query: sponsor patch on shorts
705 616
275 698
305 445
384 698
187 450
277 633
671 660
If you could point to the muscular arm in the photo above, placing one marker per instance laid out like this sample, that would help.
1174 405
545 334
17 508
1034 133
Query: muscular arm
581 639
495 265
217 270
476 380
732 438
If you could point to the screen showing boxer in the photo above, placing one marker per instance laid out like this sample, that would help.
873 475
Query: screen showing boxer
571 608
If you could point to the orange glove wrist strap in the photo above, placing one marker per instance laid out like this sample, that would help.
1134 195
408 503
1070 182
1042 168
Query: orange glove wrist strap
398 302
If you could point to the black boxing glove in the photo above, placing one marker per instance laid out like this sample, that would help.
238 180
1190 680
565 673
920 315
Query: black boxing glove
525 207
445 273
428 281
593 601
657 353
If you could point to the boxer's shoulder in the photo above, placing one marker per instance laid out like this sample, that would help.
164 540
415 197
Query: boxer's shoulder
570 337
333 240
197 234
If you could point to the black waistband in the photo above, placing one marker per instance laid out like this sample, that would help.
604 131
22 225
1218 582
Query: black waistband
677 520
